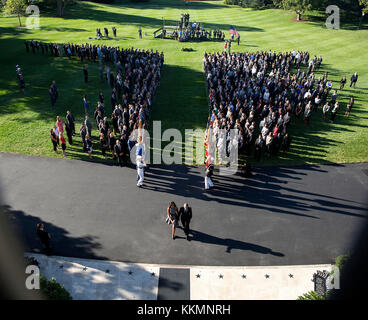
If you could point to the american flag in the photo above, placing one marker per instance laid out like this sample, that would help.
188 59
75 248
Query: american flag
233 31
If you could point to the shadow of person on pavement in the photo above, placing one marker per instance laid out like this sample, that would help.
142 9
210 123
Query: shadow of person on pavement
231 244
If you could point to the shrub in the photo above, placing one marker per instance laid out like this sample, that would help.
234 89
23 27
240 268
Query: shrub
249 3
341 261
312 295
53 290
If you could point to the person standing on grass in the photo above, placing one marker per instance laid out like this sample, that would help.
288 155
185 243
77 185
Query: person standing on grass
69 133
114 31
325 110
334 111
59 124
333 97
88 125
185 214
104 144
140 33
172 217
307 113
238 39
112 142
258 148
54 140
85 104
83 133
269 143
285 144
70 120
349 106
342 83
119 153
85 74
89 146
53 92
63 143
56 131
44 237
353 80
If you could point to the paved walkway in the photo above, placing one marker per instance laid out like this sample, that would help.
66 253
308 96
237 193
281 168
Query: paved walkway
282 216
87 279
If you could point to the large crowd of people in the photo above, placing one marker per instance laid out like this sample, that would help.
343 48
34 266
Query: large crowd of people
257 94
133 86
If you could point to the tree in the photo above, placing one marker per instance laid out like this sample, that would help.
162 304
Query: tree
61 4
53 290
17 7
298 6
364 5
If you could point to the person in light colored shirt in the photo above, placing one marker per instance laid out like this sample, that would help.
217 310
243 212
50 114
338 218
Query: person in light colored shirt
140 171
325 110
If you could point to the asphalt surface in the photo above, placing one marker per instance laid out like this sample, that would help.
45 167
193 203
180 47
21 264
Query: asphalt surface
280 216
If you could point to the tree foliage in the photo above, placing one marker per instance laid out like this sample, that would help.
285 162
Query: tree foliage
364 5
53 290
312 295
17 7
298 6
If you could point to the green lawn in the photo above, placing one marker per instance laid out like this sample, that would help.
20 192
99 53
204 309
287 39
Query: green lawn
181 101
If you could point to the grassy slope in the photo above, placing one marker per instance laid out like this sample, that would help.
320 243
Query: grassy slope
181 101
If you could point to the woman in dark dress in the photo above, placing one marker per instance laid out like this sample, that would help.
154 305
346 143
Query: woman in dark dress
89 146
334 111
104 144
54 140
114 120
285 144
349 106
342 83
112 144
172 217
63 143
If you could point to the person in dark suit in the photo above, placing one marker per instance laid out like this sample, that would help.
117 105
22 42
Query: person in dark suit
119 153
258 148
353 80
44 237
83 133
185 214
53 93
70 120
69 133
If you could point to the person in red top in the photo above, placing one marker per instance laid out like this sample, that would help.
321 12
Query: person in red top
63 143
59 124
